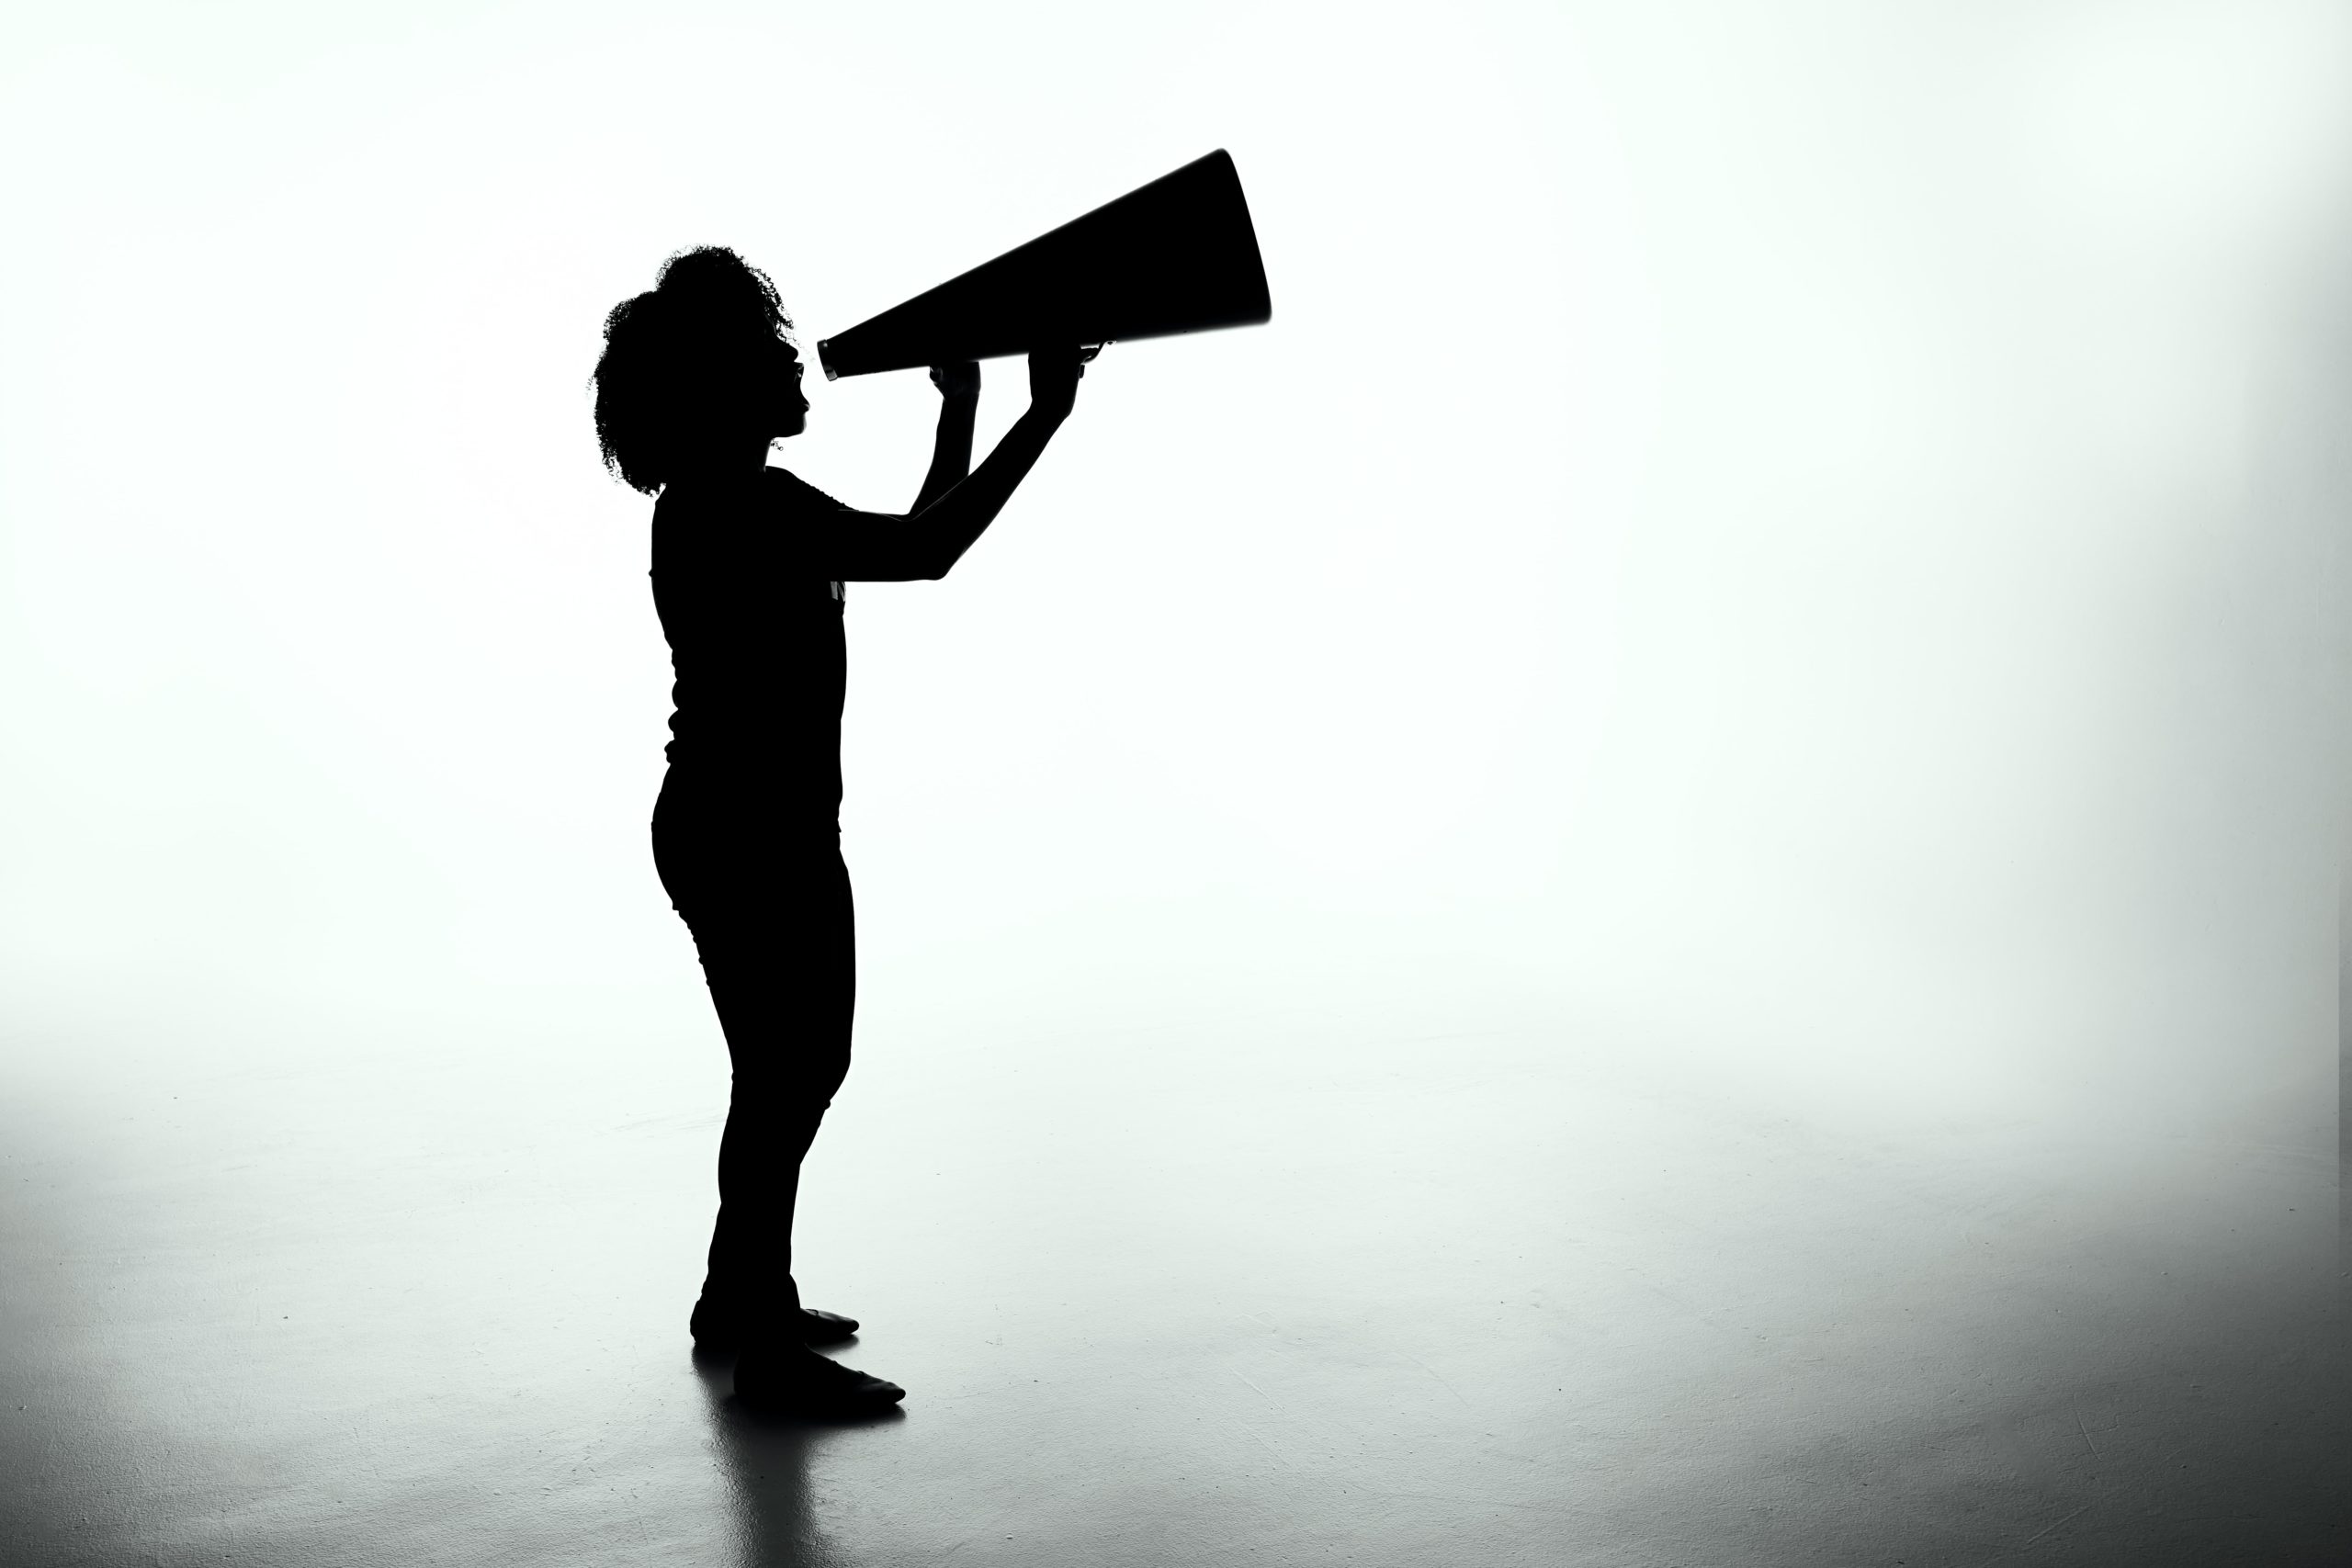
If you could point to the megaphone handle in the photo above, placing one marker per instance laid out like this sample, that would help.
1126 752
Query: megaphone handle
1086 354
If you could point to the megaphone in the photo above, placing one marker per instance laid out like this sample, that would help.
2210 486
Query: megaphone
1177 255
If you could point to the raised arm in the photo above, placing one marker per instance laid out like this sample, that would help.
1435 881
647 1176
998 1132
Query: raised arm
951 453
867 546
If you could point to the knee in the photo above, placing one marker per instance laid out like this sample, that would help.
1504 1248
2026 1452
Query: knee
781 1088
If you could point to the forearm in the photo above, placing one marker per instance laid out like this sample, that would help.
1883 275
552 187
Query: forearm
951 454
962 514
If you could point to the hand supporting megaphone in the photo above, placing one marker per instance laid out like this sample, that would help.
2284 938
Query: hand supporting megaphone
1054 376
959 379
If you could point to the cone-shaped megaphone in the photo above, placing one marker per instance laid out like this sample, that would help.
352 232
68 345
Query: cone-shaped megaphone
1177 255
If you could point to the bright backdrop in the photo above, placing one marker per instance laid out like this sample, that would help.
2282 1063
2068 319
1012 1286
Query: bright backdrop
1815 527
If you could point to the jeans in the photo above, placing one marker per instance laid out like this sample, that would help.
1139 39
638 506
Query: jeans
770 910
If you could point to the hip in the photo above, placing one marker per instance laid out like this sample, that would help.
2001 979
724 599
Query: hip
713 844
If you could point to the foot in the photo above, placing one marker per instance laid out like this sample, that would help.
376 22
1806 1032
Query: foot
824 1327
792 1380
719 1327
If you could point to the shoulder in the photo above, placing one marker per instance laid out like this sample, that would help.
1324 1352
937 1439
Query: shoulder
681 506
704 508
788 490
673 518
695 523
702 497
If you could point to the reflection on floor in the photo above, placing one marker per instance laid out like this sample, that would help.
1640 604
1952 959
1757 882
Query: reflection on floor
1292 1283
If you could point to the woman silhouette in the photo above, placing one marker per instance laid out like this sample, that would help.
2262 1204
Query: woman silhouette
697 378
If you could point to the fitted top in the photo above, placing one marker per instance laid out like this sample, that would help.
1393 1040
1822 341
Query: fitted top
755 646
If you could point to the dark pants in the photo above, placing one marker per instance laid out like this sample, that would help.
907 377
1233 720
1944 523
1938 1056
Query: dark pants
770 916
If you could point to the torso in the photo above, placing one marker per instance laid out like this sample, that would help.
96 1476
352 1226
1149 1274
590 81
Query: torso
757 647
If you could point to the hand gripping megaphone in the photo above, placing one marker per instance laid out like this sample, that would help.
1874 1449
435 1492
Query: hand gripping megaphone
1177 255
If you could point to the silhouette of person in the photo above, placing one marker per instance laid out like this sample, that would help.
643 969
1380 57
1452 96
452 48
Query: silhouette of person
697 378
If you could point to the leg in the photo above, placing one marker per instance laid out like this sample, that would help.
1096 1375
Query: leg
778 943
778 952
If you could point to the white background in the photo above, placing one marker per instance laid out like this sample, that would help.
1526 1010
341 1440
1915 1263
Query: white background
1812 526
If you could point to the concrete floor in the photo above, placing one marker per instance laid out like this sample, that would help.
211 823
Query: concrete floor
1303 1279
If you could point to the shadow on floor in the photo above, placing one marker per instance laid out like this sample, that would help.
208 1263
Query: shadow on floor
768 1460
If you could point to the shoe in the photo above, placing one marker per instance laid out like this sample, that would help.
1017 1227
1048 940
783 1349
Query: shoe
716 1327
792 1380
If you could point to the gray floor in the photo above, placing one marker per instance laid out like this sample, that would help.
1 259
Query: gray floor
1345 1272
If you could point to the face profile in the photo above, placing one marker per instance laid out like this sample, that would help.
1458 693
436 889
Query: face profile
789 405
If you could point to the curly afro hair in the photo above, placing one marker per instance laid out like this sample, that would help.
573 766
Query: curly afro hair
680 358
